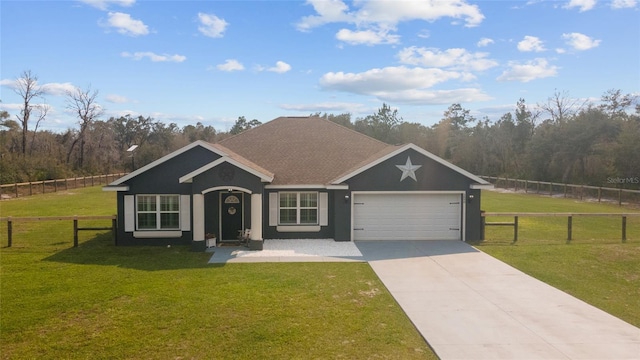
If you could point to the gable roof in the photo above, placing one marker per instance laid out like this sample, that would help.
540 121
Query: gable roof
233 159
395 150
169 156
304 150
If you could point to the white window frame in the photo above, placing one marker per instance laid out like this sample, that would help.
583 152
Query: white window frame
298 208
158 212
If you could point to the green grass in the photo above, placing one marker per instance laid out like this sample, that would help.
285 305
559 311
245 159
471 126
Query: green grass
595 266
553 230
101 301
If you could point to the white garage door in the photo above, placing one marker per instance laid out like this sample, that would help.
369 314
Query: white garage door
411 216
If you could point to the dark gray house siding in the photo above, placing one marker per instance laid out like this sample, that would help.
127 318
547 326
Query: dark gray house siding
160 180
431 176
206 177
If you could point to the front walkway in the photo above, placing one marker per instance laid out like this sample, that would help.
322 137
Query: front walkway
305 250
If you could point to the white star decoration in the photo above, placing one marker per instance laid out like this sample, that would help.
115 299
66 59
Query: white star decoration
408 170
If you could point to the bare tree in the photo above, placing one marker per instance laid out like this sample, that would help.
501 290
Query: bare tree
83 104
561 107
27 88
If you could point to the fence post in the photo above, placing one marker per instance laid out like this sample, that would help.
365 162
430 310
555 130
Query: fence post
30 188
17 190
599 193
569 227
620 197
526 186
75 231
550 189
515 229
624 229
43 188
114 230
565 190
9 231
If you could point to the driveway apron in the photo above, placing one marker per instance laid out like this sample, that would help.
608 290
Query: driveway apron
469 305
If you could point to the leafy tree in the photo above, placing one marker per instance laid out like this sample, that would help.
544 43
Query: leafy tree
382 126
242 124
343 119
615 104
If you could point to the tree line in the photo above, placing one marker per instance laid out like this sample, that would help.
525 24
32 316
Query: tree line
561 140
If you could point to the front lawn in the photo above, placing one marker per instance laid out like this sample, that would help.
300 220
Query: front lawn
102 301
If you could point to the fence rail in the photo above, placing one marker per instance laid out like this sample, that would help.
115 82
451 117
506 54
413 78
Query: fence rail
76 228
569 216
15 190
600 193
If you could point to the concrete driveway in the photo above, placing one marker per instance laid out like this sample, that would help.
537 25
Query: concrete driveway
468 305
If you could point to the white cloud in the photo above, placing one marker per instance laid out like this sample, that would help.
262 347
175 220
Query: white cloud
623 4
325 107
117 99
535 69
154 57
392 11
388 80
580 41
124 24
403 85
485 42
58 89
531 43
435 97
54 89
11 107
230 65
280 67
451 58
376 19
583 5
329 11
367 37
104 4
211 25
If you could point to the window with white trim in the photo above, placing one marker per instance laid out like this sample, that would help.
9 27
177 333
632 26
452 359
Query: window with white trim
298 208
158 212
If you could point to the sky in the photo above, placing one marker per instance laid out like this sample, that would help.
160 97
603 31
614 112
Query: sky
211 62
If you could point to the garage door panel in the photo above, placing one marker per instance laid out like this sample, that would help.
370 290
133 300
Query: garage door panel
397 216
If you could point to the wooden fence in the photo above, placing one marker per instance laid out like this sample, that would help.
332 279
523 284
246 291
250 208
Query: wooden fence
581 192
47 186
76 228
569 217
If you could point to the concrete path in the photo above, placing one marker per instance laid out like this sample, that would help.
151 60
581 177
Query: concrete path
300 250
468 305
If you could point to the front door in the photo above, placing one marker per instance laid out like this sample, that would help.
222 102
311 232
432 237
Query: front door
231 214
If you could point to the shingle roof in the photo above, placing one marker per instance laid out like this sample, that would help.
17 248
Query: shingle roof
305 150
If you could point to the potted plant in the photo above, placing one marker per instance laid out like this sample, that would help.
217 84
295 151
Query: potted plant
210 239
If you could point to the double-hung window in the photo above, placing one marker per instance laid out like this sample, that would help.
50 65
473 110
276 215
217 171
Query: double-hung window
298 208
158 212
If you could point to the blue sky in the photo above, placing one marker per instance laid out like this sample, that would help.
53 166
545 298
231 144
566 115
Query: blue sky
213 61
